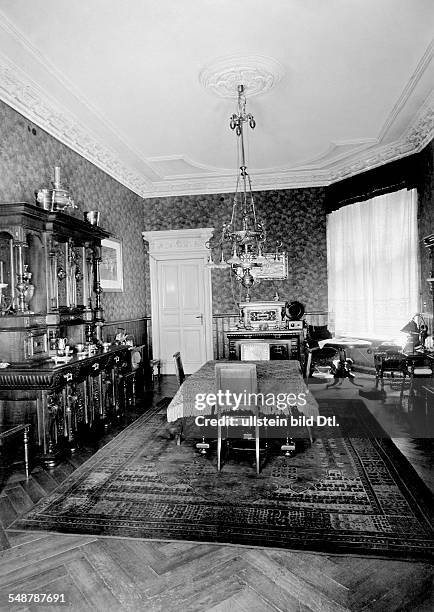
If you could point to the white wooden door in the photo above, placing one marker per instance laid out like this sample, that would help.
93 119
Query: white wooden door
181 303
180 297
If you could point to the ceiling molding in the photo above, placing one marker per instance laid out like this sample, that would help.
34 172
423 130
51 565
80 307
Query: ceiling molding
257 73
409 88
26 96
417 136
167 167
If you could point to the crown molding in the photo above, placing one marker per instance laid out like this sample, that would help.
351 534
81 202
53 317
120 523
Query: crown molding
178 241
409 88
417 136
20 92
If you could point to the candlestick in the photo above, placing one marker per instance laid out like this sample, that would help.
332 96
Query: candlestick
57 176
2 286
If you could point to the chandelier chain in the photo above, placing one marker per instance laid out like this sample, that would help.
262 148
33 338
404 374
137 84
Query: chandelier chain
244 234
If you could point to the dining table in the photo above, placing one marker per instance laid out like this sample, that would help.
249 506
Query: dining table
276 379
282 394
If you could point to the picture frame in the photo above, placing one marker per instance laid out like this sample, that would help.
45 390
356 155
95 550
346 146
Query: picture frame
111 266
276 267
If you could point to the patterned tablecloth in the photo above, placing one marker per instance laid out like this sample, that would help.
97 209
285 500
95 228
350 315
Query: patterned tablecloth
281 379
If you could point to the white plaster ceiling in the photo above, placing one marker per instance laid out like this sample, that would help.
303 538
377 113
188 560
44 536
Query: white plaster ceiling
120 83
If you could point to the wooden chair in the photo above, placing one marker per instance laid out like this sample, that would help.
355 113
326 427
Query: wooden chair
316 357
179 368
180 375
237 378
389 358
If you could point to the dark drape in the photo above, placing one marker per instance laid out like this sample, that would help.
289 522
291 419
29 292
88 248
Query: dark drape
400 174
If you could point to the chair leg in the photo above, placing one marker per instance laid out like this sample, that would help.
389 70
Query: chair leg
219 447
179 437
134 389
257 447
308 365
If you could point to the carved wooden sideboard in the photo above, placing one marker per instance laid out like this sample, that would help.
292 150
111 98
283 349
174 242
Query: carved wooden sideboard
50 307
49 279
63 402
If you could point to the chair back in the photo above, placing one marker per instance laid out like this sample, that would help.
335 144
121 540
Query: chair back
255 351
179 368
240 379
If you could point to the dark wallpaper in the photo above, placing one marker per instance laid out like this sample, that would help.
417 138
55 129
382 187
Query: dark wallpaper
295 216
27 163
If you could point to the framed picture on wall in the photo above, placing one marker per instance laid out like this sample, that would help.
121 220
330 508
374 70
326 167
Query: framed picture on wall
111 272
276 267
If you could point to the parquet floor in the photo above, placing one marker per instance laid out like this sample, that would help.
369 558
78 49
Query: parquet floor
110 574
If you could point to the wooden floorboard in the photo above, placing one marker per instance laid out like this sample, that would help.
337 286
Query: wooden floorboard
105 574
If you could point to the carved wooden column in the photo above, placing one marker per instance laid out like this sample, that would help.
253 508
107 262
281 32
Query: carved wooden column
98 310
52 409
21 280
115 387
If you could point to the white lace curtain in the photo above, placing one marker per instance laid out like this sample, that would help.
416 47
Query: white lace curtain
373 265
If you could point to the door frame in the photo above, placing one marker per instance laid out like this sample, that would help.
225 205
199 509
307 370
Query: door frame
167 245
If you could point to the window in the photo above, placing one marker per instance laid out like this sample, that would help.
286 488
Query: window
373 265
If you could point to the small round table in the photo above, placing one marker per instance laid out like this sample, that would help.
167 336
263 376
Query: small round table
343 367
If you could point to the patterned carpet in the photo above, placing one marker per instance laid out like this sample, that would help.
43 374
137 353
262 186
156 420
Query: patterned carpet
344 495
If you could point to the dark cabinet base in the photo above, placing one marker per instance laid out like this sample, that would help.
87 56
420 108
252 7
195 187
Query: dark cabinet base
64 403
283 344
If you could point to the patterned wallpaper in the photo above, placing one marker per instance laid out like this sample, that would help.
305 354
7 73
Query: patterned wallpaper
27 159
294 216
298 217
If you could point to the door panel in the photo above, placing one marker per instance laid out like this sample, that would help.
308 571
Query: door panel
191 280
181 286
170 341
192 342
169 277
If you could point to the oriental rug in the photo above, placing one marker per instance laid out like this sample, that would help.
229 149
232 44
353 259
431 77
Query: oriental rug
343 494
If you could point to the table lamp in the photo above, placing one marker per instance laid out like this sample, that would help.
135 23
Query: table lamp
416 334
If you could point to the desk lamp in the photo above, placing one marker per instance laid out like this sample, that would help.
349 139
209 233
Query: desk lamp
416 334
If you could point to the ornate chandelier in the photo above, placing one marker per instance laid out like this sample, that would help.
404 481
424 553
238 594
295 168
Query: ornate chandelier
244 235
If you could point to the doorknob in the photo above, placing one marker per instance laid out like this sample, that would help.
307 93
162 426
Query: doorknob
200 317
